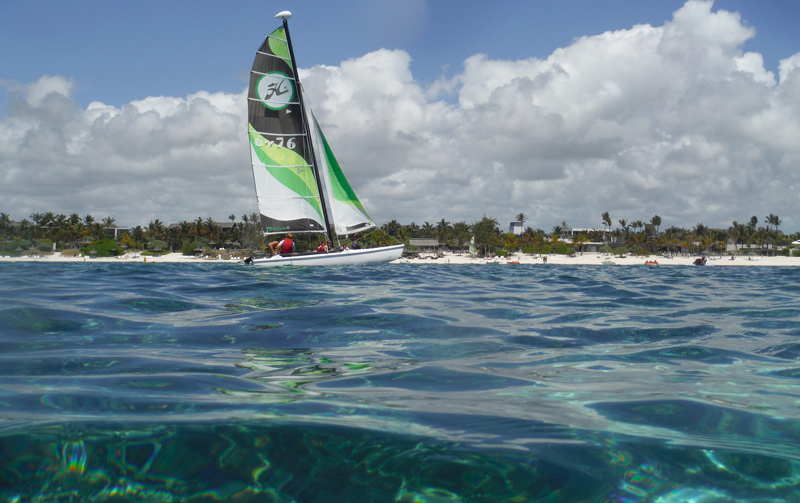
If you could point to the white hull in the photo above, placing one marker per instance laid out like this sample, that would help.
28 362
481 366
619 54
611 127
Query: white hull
346 257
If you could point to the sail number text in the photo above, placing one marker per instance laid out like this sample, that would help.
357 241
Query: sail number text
261 141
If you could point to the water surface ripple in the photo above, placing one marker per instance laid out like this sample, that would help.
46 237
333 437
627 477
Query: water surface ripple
429 383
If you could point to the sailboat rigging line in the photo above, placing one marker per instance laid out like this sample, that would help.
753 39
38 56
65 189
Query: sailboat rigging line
306 131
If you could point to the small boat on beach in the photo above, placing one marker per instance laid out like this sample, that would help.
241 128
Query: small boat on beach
300 186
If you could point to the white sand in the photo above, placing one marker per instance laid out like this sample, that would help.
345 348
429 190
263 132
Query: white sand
450 258
598 259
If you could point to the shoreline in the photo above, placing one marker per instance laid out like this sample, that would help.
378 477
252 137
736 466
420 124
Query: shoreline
448 258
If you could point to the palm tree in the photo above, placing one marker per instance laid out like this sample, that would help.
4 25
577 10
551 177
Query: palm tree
656 222
700 229
461 233
443 230
138 236
5 222
521 217
579 242
487 235
706 241
427 230
624 227
606 226
391 228
98 230
776 221
107 222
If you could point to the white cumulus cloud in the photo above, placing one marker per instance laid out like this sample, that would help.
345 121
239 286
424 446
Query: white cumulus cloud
677 120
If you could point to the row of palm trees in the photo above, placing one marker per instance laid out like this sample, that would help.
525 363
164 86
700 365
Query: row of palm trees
45 229
639 236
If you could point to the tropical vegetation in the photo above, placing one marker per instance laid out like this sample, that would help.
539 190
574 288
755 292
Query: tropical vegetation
45 232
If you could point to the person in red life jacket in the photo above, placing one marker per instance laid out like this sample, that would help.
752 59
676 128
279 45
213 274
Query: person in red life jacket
285 245
323 248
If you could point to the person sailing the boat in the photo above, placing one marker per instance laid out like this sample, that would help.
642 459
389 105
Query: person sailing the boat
285 245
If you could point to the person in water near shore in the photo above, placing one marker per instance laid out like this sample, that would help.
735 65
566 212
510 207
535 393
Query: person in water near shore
285 245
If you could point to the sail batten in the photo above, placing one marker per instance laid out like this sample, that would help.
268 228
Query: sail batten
272 56
293 135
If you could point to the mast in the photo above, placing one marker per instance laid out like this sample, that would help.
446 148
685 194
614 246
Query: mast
285 15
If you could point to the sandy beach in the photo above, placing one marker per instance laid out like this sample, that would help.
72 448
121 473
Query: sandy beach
449 258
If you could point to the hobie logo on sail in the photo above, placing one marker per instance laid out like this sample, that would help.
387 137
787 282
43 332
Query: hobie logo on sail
276 90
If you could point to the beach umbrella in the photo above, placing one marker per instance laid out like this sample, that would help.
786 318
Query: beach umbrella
93 251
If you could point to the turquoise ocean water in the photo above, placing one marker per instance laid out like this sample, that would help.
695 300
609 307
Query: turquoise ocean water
408 383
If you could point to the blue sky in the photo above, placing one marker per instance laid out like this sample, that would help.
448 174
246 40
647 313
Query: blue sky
117 52
689 109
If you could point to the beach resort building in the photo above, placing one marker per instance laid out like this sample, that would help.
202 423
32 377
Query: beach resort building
516 228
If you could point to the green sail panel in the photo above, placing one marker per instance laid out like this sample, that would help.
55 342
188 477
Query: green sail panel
279 46
346 212
280 153
342 191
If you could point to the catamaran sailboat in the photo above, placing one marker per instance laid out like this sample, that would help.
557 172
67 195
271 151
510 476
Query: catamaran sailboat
300 186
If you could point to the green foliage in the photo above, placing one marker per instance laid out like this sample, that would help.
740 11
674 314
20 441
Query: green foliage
44 245
187 248
606 249
564 249
621 250
190 246
157 243
795 253
104 248
10 247
486 233
528 250
501 253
